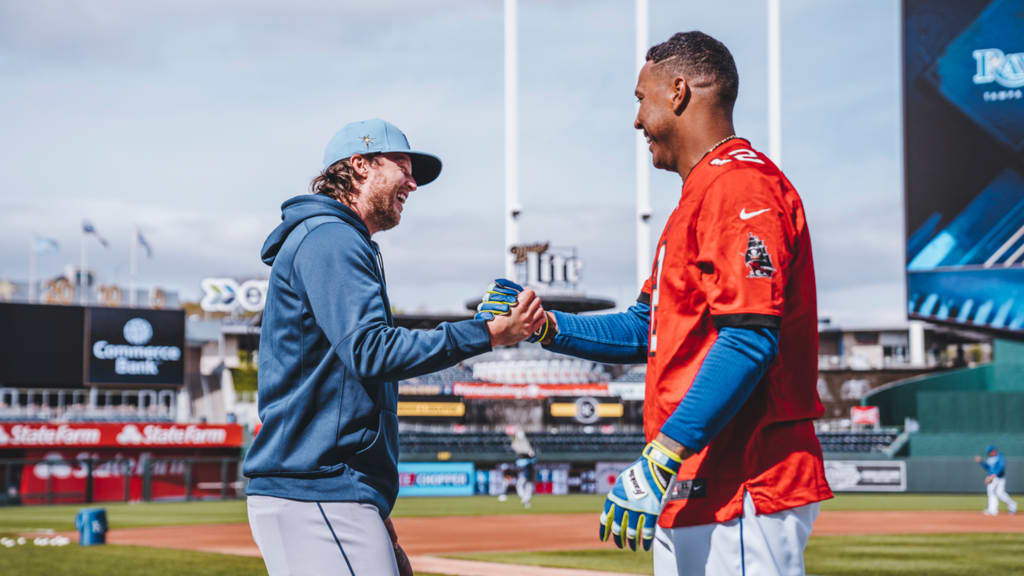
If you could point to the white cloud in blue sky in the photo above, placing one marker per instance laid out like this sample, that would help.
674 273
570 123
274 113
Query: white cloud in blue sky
194 120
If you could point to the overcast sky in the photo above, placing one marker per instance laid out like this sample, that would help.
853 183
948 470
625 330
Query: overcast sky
194 121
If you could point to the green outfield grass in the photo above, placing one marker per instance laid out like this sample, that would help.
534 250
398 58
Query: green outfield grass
120 515
31 560
926 554
15 519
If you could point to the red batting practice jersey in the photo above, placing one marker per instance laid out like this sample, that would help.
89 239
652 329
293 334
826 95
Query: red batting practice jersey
736 252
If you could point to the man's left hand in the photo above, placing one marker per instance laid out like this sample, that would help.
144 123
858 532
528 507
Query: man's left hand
634 502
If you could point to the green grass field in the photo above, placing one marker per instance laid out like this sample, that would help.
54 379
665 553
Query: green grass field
939 555
931 555
120 515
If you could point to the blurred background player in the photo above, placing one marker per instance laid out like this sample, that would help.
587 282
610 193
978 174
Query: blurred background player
995 481
526 463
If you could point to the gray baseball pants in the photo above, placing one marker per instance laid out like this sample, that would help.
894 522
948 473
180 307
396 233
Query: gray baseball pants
321 538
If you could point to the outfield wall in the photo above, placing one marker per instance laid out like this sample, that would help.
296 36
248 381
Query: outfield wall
959 475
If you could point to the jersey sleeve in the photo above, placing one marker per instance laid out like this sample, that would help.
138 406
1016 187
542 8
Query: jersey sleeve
743 250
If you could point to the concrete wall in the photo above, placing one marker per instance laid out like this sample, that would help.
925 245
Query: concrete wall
958 475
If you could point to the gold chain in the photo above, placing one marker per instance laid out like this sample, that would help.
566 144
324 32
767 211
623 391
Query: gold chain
717 144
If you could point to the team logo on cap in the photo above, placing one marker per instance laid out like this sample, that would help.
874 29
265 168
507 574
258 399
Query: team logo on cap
367 140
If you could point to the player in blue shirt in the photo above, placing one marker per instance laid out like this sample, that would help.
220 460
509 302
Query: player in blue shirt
995 481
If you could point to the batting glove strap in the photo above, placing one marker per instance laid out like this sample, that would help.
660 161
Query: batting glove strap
541 332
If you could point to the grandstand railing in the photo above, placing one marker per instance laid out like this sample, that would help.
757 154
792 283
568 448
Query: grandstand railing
88 404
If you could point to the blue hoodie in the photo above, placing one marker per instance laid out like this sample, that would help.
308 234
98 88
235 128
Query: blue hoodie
329 359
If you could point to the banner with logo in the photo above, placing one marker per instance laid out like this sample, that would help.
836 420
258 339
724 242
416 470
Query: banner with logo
107 435
963 137
449 408
62 474
866 475
526 391
135 346
436 478
584 410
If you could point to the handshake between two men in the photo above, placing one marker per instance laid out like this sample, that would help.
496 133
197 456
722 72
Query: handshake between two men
632 506
513 313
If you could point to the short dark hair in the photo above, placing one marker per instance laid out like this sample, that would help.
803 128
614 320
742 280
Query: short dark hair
702 60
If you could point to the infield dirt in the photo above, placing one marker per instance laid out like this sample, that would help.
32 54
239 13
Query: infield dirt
451 534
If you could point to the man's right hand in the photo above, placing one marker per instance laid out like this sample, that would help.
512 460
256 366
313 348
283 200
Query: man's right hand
513 313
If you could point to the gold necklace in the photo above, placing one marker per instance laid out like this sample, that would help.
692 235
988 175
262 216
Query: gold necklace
710 150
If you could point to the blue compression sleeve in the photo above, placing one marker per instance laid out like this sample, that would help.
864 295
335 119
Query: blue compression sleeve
737 361
613 338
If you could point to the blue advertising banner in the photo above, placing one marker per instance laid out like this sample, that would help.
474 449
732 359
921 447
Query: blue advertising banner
436 478
963 111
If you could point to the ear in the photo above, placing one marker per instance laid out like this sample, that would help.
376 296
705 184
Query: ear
680 94
360 165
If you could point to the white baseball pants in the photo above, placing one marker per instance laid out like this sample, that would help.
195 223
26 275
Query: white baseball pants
751 545
996 492
317 538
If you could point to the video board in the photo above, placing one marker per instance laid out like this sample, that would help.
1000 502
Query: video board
963 115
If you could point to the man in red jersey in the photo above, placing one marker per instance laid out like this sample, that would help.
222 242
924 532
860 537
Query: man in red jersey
732 473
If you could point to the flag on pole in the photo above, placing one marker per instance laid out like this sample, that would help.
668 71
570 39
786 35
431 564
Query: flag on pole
88 228
142 242
43 245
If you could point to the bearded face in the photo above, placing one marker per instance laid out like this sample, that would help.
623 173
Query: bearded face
388 187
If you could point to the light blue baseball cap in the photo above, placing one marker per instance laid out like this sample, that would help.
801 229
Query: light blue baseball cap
376 136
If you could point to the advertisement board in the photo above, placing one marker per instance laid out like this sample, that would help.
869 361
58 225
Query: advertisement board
41 346
436 478
61 475
866 475
109 435
584 410
436 408
963 111
527 391
135 346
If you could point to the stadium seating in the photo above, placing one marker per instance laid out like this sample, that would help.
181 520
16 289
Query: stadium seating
496 446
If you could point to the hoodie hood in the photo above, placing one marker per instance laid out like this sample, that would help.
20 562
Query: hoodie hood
295 210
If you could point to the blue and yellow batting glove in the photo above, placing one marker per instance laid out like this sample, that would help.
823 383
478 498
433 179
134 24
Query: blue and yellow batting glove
634 502
499 299
501 296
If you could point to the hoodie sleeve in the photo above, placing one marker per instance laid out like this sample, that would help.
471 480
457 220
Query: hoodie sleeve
339 274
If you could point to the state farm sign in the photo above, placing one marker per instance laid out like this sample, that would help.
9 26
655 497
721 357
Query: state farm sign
23 435
33 435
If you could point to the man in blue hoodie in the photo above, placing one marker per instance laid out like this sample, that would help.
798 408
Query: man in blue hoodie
324 468
995 481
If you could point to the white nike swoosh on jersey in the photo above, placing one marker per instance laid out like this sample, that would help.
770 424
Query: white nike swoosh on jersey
744 215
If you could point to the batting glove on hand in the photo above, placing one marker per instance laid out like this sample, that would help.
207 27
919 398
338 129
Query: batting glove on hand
499 299
634 502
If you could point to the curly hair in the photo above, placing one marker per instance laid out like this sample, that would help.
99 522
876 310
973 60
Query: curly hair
704 61
337 180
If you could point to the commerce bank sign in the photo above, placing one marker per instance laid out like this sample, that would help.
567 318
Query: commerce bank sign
135 346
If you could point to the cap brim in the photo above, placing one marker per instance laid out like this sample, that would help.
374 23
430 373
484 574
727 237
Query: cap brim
425 167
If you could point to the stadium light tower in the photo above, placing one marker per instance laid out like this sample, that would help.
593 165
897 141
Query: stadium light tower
512 208
643 168
774 83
